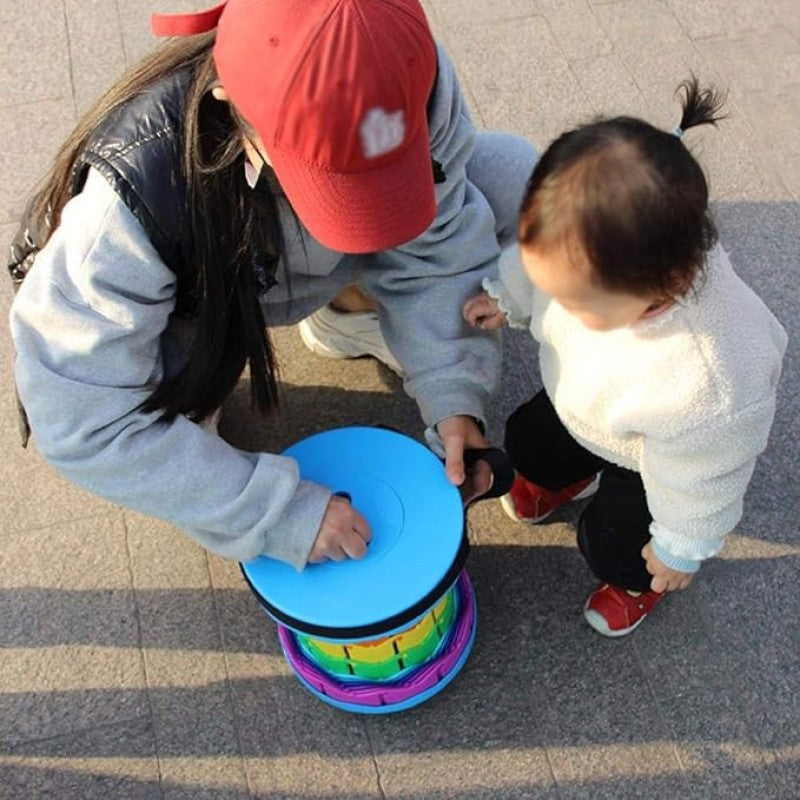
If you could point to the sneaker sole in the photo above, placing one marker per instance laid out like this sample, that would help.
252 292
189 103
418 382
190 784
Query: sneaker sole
590 490
315 345
598 622
508 506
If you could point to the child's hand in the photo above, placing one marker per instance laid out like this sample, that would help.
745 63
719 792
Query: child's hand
458 434
664 578
343 533
482 311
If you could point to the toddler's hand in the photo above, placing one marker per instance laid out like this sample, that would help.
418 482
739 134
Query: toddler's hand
343 533
483 311
664 578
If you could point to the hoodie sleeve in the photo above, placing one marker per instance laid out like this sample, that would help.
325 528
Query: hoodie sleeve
87 325
450 368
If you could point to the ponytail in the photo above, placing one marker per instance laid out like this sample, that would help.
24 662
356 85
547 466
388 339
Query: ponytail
628 199
699 106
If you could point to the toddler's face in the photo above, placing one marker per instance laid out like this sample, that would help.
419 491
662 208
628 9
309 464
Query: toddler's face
573 289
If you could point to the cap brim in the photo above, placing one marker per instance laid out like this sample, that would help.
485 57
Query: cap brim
363 212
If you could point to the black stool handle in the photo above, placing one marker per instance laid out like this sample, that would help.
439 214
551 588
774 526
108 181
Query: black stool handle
497 459
501 467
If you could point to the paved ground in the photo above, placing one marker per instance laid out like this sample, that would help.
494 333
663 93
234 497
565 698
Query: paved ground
136 666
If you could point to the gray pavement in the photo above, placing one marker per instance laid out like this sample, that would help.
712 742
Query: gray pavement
135 665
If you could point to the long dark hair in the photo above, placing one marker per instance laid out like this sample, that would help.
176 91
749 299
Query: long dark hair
230 225
628 198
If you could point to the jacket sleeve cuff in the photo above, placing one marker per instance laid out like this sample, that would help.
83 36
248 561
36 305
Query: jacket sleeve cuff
511 288
434 441
292 538
674 562
440 400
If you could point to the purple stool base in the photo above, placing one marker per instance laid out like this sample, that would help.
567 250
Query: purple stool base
412 688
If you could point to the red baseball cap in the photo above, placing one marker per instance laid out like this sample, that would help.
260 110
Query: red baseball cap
337 91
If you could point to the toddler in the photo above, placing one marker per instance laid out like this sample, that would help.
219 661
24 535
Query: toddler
659 365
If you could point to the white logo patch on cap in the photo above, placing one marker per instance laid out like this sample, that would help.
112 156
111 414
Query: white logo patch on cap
381 132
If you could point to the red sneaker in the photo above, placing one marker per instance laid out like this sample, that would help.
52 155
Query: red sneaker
528 502
614 612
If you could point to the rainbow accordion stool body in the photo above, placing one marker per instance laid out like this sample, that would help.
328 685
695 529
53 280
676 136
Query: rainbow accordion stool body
386 632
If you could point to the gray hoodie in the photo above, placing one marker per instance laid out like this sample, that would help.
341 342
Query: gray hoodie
94 332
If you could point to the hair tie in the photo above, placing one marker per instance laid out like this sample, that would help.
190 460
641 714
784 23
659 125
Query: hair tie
678 132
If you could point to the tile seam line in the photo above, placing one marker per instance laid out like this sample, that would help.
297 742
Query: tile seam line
8 753
125 55
568 60
374 759
572 62
142 659
71 70
443 37
734 37
66 521
549 761
228 682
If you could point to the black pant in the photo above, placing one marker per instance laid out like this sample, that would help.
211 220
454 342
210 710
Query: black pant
614 527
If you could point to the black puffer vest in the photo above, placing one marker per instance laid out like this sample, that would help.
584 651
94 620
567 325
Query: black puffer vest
137 149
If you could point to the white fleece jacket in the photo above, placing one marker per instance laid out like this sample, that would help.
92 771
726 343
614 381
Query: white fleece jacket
686 398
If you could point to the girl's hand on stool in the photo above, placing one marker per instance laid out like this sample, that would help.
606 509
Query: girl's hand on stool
664 578
343 533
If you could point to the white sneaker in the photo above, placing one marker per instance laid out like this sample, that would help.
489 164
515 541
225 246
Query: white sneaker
346 334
